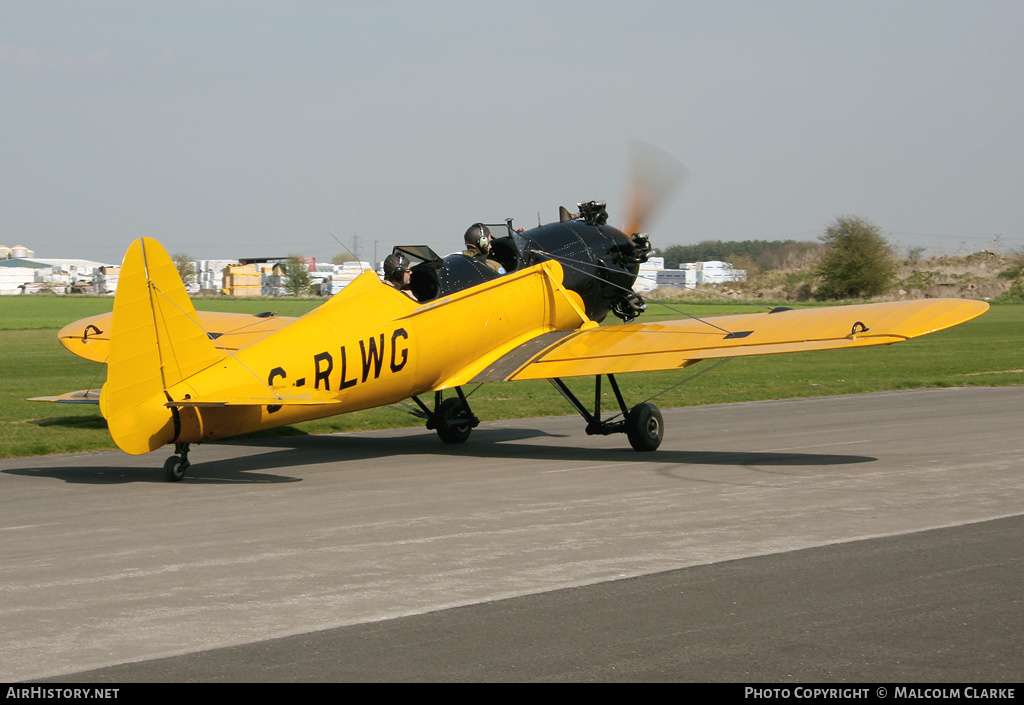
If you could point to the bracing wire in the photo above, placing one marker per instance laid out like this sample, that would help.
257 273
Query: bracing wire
678 384
207 334
565 260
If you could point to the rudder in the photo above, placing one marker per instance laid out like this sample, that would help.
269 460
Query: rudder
156 341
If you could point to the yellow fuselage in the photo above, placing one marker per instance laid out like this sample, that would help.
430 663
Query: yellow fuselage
372 345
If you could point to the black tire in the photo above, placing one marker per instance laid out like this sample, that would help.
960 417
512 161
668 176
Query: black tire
174 468
453 410
644 427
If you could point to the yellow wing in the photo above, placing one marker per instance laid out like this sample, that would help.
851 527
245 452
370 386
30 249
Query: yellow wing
639 347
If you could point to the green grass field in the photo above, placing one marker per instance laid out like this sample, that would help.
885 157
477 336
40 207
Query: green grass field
988 351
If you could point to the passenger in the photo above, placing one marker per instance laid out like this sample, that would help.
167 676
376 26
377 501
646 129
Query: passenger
478 246
398 274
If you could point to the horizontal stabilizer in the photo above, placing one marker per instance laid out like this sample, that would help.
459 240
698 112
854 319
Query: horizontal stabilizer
90 337
84 396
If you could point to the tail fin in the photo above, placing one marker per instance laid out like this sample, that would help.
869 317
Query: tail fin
155 342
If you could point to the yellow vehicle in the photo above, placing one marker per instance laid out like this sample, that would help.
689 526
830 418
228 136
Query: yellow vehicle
175 376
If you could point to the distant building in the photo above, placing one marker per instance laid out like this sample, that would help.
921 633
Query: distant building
15 252
647 277
719 272
23 275
653 275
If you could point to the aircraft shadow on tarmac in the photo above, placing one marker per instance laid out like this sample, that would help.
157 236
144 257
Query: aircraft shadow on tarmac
276 456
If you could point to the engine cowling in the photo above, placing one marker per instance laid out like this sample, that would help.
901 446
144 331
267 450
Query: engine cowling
600 262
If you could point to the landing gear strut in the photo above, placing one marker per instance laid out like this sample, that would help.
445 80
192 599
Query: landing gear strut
451 418
643 424
176 465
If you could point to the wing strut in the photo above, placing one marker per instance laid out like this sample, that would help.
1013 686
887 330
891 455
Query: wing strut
642 424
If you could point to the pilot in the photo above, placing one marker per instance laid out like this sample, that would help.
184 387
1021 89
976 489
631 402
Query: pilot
478 245
398 274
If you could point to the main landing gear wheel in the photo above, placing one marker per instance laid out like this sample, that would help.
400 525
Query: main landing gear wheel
642 424
451 418
455 421
644 427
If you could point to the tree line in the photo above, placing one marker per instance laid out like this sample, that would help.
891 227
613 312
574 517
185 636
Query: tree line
765 254
852 258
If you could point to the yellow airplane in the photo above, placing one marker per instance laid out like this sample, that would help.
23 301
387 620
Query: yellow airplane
182 377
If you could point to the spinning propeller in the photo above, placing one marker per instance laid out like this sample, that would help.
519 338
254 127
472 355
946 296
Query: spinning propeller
653 177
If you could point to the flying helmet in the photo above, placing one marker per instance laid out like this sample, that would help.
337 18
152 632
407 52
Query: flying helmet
395 265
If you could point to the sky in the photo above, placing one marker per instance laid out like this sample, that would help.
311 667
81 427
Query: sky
254 128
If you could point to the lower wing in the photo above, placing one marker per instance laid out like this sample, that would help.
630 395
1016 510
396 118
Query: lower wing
639 347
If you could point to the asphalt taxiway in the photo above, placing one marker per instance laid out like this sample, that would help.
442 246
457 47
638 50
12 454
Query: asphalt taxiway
863 537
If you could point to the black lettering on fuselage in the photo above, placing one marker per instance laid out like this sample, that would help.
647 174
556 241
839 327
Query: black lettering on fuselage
345 383
324 373
373 352
399 333
274 373
374 355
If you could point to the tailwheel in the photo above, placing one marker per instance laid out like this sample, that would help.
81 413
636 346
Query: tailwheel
176 465
644 427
